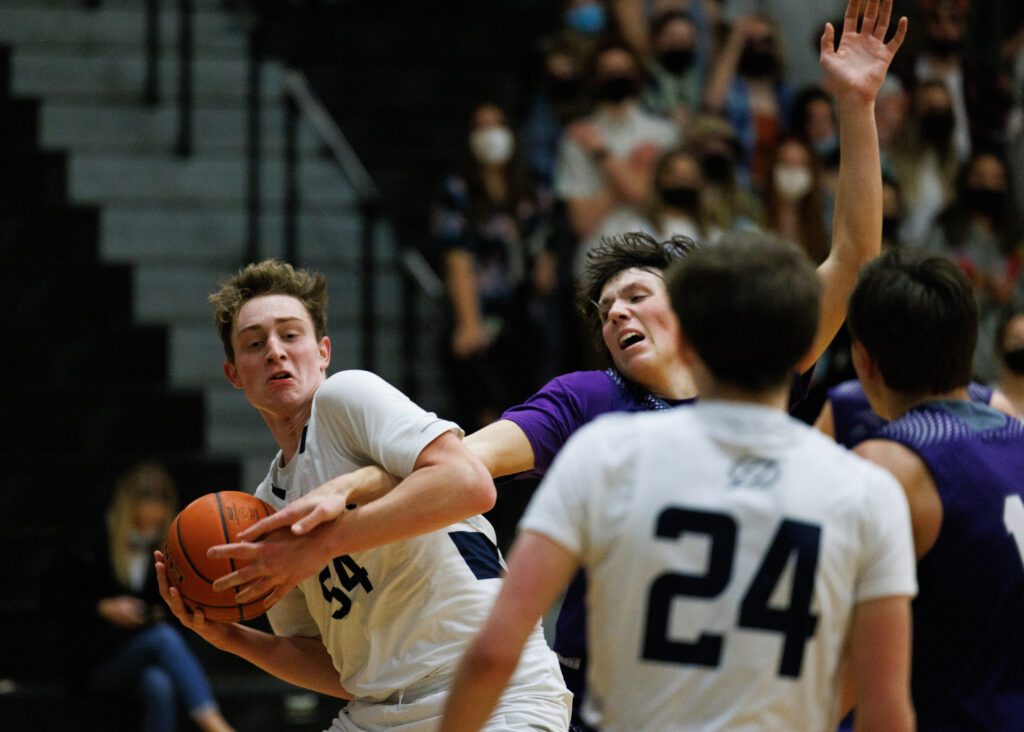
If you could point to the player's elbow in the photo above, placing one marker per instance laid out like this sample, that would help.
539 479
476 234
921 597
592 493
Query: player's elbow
477 486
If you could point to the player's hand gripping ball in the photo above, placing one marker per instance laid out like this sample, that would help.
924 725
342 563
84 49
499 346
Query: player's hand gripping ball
213 519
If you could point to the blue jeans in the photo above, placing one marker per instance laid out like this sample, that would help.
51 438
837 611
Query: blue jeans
161 666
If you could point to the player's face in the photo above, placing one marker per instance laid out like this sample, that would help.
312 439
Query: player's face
279 361
638 326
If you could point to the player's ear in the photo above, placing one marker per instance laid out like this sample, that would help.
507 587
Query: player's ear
325 352
863 364
231 372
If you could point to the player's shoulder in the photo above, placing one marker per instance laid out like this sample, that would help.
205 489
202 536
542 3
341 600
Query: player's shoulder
353 386
847 391
594 392
847 464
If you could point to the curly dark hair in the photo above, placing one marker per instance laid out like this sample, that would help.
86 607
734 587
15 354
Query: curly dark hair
616 254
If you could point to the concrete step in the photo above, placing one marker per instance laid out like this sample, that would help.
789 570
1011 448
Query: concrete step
75 28
218 237
135 129
199 181
119 77
176 294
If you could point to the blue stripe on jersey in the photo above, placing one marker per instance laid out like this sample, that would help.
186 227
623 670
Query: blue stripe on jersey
480 554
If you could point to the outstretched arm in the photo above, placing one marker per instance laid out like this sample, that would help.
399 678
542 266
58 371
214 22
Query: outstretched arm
447 484
855 71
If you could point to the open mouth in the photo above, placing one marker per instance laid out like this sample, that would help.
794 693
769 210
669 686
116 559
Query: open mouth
629 339
281 376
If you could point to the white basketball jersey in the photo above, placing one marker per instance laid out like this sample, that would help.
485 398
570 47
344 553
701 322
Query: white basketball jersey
395 619
725 547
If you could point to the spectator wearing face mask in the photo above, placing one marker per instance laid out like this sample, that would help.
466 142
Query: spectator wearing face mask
676 67
676 207
606 159
728 205
1010 352
583 25
483 228
747 86
923 159
793 205
977 231
979 101
559 98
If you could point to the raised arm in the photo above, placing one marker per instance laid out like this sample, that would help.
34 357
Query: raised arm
855 72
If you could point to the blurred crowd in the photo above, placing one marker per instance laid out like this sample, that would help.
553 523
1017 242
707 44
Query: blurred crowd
698 117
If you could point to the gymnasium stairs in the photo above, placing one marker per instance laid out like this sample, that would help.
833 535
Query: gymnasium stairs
113 242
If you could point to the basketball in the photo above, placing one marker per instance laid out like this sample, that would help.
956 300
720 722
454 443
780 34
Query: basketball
213 519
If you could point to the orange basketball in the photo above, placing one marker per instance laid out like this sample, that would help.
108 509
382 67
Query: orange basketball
213 519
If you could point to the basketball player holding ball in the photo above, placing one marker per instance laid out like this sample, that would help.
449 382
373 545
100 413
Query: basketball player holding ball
384 628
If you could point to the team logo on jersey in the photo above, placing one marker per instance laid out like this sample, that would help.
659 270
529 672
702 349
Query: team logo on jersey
753 472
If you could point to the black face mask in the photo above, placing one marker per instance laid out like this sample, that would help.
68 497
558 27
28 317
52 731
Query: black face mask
617 88
891 229
988 202
565 88
684 198
676 60
937 128
944 47
1014 360
758 62
718 168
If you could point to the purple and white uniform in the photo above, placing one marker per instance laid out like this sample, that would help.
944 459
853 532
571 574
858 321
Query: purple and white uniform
854 420
968 656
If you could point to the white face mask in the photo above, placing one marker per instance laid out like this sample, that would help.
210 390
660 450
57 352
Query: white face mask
792 181
492 145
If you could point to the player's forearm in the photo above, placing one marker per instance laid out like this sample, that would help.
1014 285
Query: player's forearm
894 714
503 448
478 686
300 661
368 484
857 222
431 498
857 226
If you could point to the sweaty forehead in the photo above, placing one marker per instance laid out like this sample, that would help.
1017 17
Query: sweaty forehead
632 277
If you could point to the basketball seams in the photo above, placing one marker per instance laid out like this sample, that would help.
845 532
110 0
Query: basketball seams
194 580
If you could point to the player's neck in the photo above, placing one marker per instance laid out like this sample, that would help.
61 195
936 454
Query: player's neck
675 384
900 404
1012 386
287 430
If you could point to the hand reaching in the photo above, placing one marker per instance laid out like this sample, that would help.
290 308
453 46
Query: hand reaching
859 65
275 564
